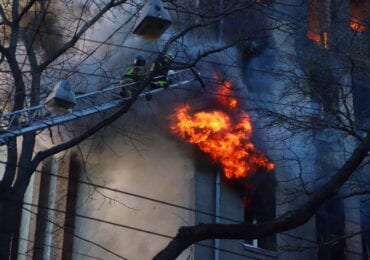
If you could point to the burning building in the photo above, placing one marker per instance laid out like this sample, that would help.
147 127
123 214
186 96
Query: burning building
251 146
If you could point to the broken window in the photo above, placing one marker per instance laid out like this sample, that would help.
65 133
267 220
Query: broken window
324 94
318 21
259 206
358 15
329 228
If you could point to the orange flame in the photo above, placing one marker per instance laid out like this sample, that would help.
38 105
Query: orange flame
356 25
316 37
358 15
226 140
315 28
224 97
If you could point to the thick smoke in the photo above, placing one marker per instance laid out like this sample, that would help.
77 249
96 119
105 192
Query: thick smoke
136 154
139 155
39 28
40 24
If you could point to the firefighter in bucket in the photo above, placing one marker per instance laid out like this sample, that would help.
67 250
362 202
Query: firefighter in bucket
134 73
160 68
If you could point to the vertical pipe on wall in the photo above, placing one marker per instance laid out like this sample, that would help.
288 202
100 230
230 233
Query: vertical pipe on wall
218 178
220 33
217 210
218 172
49 234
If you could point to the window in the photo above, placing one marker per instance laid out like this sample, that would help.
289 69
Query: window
259 205
358 15
318 21
361 97
330 226
324 96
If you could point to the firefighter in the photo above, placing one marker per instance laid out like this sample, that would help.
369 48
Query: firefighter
134 73
160 68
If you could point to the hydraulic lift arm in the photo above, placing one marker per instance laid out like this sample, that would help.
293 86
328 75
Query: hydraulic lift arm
38 117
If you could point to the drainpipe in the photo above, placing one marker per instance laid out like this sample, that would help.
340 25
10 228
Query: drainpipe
217 210
51 214
221 22
218 172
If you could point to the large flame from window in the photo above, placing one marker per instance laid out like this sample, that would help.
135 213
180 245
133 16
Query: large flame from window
358 15
226 138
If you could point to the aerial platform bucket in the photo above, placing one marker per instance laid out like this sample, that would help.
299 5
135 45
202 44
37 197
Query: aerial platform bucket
61 99
153 21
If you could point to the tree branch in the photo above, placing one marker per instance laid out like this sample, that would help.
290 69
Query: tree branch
15 27
187 236
40 156
10 168
5 19
78 35
26 9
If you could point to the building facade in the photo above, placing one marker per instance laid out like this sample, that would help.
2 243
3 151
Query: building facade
309 62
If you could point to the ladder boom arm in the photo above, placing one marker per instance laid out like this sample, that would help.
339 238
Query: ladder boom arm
38 118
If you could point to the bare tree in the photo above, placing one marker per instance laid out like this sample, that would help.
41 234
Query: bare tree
311 97
28 50
42 37
32 41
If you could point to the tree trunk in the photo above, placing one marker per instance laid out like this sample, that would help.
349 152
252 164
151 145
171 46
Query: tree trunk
5 233
9 226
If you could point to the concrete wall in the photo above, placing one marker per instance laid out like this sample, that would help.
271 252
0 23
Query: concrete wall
145 161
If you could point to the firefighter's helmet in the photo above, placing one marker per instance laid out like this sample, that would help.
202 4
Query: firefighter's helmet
139 61
168 58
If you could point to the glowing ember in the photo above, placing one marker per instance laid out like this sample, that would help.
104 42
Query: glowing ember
226 140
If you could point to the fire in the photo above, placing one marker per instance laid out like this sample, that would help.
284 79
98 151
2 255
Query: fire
358 15
325 40
314 36
313 26
356 25
317 25
224 96
224 138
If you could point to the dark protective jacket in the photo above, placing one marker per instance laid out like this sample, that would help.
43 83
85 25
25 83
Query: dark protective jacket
160 69
133 73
